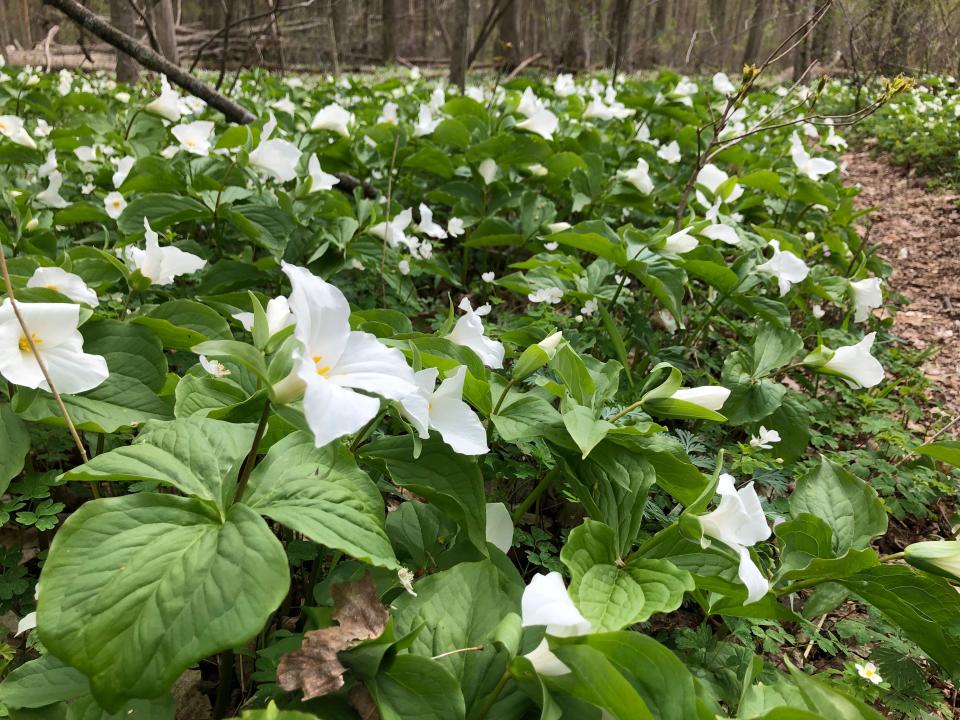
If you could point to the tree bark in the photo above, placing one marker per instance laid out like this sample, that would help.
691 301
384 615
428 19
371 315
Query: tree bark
388 31
151 60
508 42
460 40
755 36
618 23
574 54
165 25
27 36
125 20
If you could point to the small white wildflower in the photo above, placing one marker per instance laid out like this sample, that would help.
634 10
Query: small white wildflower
869 672
764 439
214 367
488 277
405 576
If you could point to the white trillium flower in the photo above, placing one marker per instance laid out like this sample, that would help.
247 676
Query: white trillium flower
869 672
866 296
393 231
552 295
680 242
114 204
530 104
469 332
455 227
50 197
11 127
277 312
712 177
278 158
426 123
564 85
811 167
709 397
785 266
499 527
643 133
167 104
818 311
543 123
670 153
722 84
427 226
639 177
49 165
558 227
855 363
739 522
319 180
764 439
124 166
488 170
546 602
214 367
333 362
284 105
723 233
551 246
53 327
194 137
488 277
835 141
404 267
160 265
65 283
86 153
447 413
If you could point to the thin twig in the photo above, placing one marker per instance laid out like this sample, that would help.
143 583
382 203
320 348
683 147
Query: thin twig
387 229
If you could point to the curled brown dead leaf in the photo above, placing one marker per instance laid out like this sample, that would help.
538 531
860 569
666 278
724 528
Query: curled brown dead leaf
315 668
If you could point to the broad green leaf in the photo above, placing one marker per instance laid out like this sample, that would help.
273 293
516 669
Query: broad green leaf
584 428
947 451
198 456
588 544
431 160
846 503
829 702
239 352
40 682
181 324
207 396
15 444
321 493
574 374
162 210
417 687
594 679
136 589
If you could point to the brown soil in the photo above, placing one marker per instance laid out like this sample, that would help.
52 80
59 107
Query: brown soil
917 231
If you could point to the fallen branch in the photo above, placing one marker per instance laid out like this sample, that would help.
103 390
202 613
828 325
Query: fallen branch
522 66
348 183
234 112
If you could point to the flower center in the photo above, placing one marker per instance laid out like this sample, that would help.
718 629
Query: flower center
321 369
25 343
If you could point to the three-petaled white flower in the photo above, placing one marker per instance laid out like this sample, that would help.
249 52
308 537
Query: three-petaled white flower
278 158
785 266
469 332
639 176
546 602
194 137
167 104
866 296
764 439
670 153
334 118
114 204
455 227
853 363
427 226
426 123
711 177
739 522
447 413
722 84
50 197
11 127
709 397
124 166
332 362
811 167
160 265
277 313
320 180
65 283
54 331
393 231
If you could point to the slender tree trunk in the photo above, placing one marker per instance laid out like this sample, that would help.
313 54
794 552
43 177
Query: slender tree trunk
124 19
574 55
27 36
755 35
460 40
657 54
389 30
618 23
6 29
508 44
165 26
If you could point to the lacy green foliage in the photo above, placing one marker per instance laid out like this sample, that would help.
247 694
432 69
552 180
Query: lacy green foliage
628 359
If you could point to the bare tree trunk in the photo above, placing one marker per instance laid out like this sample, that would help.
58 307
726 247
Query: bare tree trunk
388 31
26 36
165 25
6 29
122 15
337 34
509 37
618 23
460 40
574 53
755 35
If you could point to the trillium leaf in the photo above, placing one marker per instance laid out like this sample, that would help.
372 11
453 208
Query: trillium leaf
417 687
828 702
321 493
594 679
15 441
589 544
162 210
181 324
584 428
947 451
136 589
198 456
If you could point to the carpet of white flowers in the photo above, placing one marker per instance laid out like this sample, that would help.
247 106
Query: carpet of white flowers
551 399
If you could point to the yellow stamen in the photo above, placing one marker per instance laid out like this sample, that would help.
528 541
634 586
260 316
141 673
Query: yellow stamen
25 344
320 370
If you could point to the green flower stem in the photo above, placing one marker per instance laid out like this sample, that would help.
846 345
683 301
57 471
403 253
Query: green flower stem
892 556
626 411
528 501
503 396
494 696
251 460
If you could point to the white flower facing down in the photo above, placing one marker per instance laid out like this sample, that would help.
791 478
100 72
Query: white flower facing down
320 180
124 166
278 158
194 137
11 127
639 177
50 197
160 265
455 227
333 118
214 367
488 170
499 527
54 331
709 397
739 522
866 296
427 226
49 165
469 332
546 602
447 413
811 167
167 104
680 242
277 312
426 123
114 204
764 439
869 672
65 283
785 266
333 362
855 364
543 123
393 231
712 177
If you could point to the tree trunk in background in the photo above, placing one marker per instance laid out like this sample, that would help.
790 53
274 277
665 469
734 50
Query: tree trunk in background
755 34
574 54
6 29
124 19
338 27
619 19
508 41
25 34
896 60
460 41
820 37
388 31
718 37
656 54
165 27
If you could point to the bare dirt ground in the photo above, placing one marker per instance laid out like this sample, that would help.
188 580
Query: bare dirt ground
917 231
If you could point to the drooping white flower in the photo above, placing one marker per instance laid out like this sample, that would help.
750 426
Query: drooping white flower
194 137
114 204
785 266
447 413
53 327
835 141
167 104
333 362
488 170
684 89
722 232
333 118
680 242
546 602
551 295
709 397
869 672
455 227
320 180
27 622
818 311
437 98
277 312
469 332
427 226
739 523
406 577
65 283
643 133
866 296
639 177
712 177
600 110
393 231
158 264
404 267
124 166
722 84
49 165
551 246
11 127
811 167
214 367
50 197
764 439
426 123
530 104
855 364
499 526
543 123
670 153
278 158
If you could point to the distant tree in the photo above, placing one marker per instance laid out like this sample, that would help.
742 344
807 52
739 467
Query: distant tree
123 16
460 43
389 29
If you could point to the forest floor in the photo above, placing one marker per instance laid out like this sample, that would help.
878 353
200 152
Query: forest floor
917 231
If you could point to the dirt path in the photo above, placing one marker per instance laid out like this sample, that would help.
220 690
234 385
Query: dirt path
917 231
